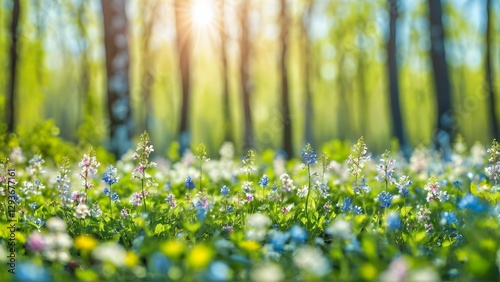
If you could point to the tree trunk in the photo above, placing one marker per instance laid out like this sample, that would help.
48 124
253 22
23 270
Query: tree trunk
117 71
246 87
183 38
228 134
308 105
148 78
87 105
489 70
11 92
285 97
392 68
441 78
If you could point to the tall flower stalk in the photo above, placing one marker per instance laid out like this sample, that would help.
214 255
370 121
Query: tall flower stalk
89 165
142 152
309 156
110 178
201 154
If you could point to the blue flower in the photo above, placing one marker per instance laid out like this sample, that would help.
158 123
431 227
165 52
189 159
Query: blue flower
218 271
357 210
114 197
159 264
471 202
353 246
405 192
278 241
106 191
110 175
224 190
346 205
308 155
298 234
448 218
229 209
33 205
392 221
28 271
385 199
264 181
201 213
189 183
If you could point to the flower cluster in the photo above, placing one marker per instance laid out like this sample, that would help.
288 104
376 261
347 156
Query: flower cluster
89 165
63 183
434 191
386 169
287 182
308 155
357 159
493 169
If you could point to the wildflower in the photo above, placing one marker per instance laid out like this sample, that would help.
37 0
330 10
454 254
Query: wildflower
385 199
81 211
136 199
346 205
471 202
124 213
302 192
35 242
89 165
448 218
423 214
308 155
249 163
434 191
110 175
171 200
32 205
493 169
264 181
403 184
278 240
311 260
287 182
56 225
357 210
323 190
397 271
257 226
247 187
228 228
357 159
110 252
106 191
267 272
142 152
189 183
224 190
392 221
249 197
386 168
95 211
340 229
64 183
298 234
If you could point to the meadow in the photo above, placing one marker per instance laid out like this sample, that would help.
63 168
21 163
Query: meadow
333 213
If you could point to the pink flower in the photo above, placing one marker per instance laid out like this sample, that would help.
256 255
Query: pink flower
228 228
35 242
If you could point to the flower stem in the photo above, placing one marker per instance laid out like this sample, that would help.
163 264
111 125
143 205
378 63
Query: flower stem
308 192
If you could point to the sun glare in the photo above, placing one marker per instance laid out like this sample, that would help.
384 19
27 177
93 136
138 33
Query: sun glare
202 14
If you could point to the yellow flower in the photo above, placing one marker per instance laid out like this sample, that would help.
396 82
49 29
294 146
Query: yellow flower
172 249
131 259
85 243
250 245
199 257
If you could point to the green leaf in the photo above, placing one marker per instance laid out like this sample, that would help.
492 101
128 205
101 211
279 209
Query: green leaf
405 210
369 246
420 236
473 189
159 229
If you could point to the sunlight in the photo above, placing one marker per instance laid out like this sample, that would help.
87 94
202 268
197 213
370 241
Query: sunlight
202 14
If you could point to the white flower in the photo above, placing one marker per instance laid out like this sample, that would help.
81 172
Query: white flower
340 229
267 272
110 252
258 221
311 260
81 211
56 224
302 192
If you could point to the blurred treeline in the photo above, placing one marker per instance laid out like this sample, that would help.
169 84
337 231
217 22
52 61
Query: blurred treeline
308 70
